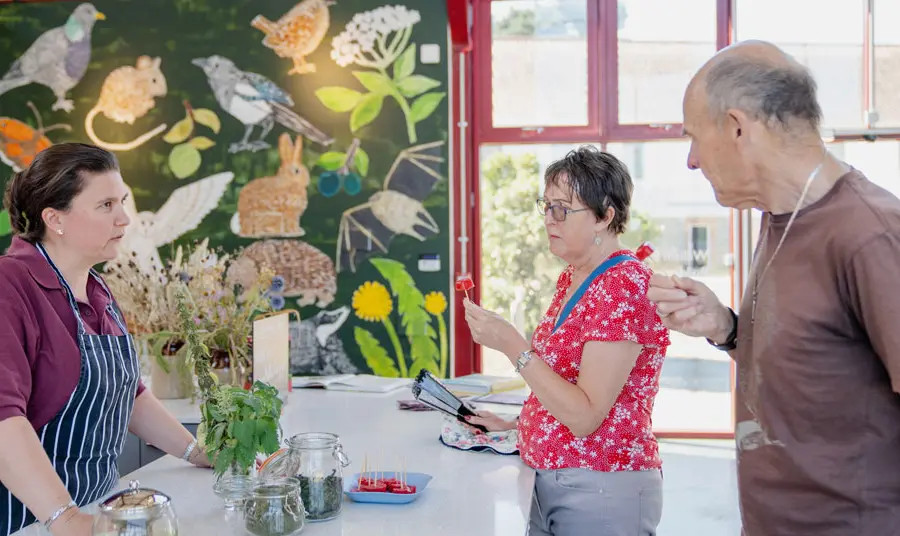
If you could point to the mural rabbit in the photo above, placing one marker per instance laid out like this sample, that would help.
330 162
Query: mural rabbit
272 206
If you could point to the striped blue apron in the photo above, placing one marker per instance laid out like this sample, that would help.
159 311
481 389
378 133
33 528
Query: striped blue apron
85 439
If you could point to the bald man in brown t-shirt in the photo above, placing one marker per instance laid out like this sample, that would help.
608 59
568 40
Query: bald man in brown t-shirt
816 340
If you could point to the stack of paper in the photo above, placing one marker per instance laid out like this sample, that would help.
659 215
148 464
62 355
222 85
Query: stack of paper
481 384
510 399
364 383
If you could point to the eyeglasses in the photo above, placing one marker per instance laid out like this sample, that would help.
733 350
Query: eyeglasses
558 212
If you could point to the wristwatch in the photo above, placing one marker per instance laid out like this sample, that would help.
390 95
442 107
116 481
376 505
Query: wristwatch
731 341
523 360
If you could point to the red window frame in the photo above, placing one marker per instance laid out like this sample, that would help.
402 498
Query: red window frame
603 83
602 128
615 131
482 82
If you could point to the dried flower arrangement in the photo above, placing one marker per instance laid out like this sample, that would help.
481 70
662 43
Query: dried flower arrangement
222 313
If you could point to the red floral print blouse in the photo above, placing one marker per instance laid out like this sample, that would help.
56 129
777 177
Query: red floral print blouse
614 308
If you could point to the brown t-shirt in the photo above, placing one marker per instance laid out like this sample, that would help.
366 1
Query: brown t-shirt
818 414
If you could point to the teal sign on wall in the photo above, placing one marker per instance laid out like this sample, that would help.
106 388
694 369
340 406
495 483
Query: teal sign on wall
311 136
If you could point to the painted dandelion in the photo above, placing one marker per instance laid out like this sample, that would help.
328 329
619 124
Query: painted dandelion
373 303
436 304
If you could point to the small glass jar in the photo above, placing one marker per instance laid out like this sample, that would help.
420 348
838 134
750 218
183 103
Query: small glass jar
317 460
136 512
275 508
234 489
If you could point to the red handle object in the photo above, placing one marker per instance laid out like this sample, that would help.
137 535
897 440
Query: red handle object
644 251
464 283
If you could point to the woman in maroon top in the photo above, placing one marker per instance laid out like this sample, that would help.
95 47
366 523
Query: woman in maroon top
71 387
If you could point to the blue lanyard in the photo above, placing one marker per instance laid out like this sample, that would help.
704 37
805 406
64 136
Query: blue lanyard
607 264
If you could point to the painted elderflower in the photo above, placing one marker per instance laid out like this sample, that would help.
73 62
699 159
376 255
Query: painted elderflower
364 40
379 41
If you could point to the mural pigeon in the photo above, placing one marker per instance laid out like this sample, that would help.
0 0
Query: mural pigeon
58 58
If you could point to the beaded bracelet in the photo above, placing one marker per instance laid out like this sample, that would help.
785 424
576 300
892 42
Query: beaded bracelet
187 452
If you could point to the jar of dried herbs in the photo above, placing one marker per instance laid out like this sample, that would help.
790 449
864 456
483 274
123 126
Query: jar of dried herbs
317 460
275 508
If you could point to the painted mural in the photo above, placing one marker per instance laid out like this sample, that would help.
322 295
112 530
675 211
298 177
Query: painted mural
308 139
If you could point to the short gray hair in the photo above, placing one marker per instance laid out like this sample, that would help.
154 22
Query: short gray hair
781 94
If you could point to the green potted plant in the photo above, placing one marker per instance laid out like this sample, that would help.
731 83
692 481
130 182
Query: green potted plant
236 424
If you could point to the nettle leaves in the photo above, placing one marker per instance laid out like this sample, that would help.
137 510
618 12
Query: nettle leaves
413 93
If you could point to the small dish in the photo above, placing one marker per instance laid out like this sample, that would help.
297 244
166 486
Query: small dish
419 480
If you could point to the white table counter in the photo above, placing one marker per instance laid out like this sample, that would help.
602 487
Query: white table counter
471 493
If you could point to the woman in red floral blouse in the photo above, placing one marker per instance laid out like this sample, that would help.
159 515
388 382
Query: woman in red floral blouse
593 363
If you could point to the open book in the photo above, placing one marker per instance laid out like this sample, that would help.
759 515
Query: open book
364 383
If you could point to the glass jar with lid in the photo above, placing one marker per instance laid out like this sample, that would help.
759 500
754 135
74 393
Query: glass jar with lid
317 460
136 512
275 508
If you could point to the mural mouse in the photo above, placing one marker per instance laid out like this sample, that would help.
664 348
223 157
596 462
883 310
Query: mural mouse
316 348
128 94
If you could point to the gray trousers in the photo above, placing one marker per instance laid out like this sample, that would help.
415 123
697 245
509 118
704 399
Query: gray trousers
581 502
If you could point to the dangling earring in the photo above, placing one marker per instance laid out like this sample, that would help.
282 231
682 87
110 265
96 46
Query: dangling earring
598 240
59 232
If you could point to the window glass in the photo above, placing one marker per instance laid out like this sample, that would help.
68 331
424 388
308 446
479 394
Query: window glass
887 63
661 45
539 63
832 47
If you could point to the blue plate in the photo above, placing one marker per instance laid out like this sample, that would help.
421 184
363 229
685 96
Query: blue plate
419 480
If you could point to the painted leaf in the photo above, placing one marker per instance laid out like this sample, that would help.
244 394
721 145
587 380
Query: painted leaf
184 160
415 319
179 131
331 160
416 85
424 353
376 356
201 143
424 106
338 99
374 82
366 111
5 226
406 63
208 118
361 162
